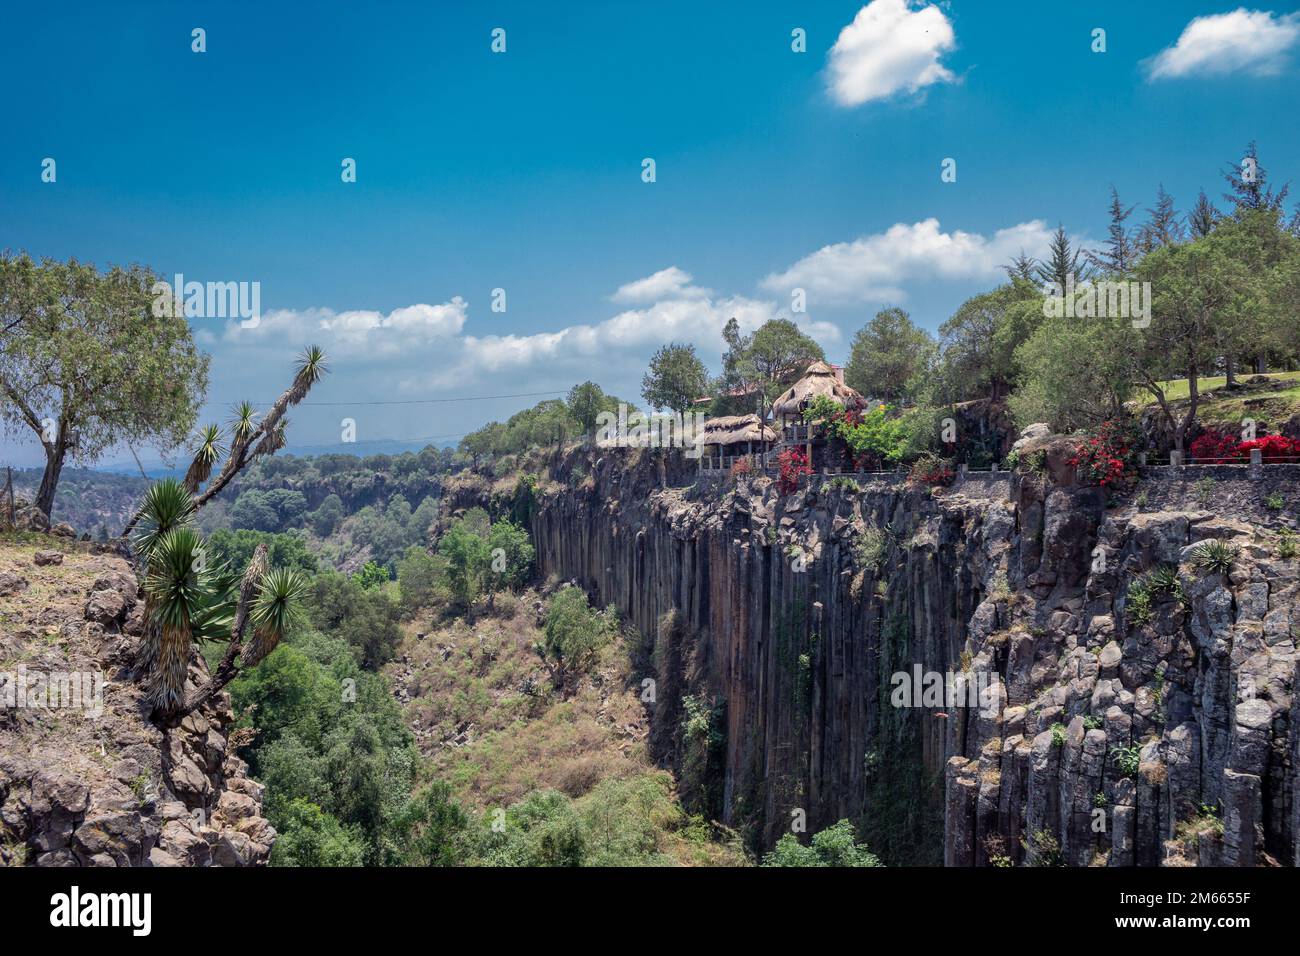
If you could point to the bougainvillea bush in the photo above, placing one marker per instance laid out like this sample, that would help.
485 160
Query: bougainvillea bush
1214 446
741 467
930 469
791 465
1107 457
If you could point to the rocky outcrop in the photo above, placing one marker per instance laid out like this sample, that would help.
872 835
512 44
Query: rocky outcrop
1137 704
86 779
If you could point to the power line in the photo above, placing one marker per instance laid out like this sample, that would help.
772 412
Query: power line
416 401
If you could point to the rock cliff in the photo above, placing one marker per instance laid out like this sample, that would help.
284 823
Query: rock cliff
1139 704
96 783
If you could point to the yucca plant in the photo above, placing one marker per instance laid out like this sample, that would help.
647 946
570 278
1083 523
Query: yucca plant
278 607
207 453
167 506
243 423
1216 556
309 370
180 594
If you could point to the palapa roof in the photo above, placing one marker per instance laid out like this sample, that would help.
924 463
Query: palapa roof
818 380
733 429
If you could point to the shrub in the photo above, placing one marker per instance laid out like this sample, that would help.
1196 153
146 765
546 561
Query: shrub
574 635
1058 735
871 548
1107 458
931 470
1214 446
1204 491
1286 544
1127 759
741 468
1273 448
792 464
834 846
1275 501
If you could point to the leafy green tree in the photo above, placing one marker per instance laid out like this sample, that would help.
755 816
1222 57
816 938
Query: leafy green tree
366 620
834 846
889 355
371 575
308 836
286 550
1072 375
328 516
466 551
675 379
511 555
586 401
86 364
432 830
574 635
778 354
980 340
418 575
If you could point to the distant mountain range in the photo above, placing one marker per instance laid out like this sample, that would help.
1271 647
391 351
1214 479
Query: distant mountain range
160 469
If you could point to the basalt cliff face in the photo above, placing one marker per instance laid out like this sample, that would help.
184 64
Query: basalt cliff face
1117 730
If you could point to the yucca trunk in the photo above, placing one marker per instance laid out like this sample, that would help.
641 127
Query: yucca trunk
264 641
167 684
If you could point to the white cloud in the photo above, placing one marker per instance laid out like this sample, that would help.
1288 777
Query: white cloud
424 348
875 268
891 45
671 282
1250 41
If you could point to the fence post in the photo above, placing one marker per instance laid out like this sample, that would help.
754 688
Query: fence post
1256 471
1176 458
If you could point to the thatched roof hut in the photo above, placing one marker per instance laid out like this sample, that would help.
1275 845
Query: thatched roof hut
820 379
736 429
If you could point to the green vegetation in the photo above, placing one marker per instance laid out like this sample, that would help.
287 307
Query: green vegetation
575 633
834 846
1214 556
1127 759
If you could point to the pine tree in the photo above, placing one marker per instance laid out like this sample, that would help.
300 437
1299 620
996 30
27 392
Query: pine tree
1062 262
1164 227
1249 184
1201 220
1120 252
1021 267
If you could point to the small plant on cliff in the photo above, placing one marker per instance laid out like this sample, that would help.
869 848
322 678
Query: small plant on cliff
1137 603
1092 722
1286 544
1164 577
1275 501
871 547
1099 799
1214 556
1058 734
741 468
1043 849
1204 491
1127 759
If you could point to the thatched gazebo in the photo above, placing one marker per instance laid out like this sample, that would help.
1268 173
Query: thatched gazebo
728 437
820 379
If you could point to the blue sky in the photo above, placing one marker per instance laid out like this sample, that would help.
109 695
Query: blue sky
522 170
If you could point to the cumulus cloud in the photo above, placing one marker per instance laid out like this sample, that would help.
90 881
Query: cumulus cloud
423 348
891 45
874 268
671 282
1247 41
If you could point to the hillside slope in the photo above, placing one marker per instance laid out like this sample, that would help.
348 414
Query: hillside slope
99 784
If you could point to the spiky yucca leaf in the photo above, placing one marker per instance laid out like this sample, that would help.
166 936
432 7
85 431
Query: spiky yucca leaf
167 505
243 422
309 370
278 607
178 594
206 454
